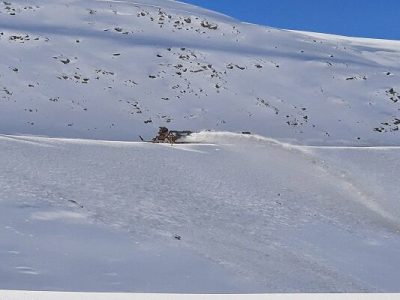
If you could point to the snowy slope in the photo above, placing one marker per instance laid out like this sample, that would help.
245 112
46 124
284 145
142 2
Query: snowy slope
116 69
253 215
310 204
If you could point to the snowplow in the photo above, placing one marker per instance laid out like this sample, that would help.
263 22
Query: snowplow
169 136
165 135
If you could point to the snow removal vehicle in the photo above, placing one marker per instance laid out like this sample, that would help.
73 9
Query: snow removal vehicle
169 136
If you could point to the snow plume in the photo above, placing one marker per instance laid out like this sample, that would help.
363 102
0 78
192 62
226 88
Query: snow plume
225 137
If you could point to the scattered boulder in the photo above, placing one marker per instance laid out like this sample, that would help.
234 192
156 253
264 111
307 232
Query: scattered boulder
209 25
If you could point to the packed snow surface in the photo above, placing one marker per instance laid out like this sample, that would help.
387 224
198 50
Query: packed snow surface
307 203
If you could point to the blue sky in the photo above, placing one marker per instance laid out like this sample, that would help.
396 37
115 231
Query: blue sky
365 18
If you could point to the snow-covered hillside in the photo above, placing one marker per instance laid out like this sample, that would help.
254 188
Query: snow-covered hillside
245 215
310 204
116 69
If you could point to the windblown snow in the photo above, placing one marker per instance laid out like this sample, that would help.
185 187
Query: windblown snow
307 203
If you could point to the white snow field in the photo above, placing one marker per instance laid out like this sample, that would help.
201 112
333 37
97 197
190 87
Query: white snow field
252 215
308 203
